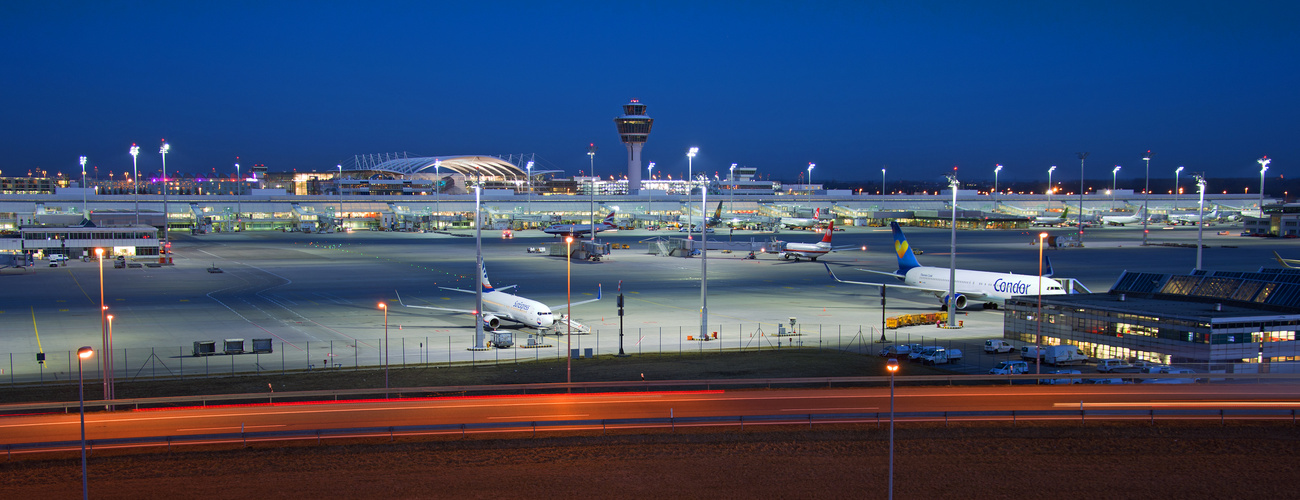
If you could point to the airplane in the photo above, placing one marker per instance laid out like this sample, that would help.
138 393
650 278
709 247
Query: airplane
499 305
578 230
989 287
1048 220
1192 218
812 250
1120 220
688 220
1288 263
802 222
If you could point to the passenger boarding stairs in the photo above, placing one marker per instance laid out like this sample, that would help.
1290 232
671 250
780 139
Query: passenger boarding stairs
560 328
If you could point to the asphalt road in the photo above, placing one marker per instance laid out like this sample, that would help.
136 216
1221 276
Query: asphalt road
490 409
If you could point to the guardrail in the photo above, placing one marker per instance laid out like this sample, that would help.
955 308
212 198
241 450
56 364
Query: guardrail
538 388
604 425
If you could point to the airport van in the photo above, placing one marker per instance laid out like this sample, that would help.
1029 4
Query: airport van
998 346
58 258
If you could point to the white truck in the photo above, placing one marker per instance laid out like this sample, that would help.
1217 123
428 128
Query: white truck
1063 355
998 346
1010 368
941 356
1031 352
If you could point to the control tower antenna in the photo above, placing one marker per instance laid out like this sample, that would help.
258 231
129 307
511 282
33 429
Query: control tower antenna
634 129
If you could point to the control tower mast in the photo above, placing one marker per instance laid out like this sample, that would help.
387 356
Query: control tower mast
634 129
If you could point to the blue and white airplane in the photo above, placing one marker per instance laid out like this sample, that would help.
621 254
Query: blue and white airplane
980 286
499 305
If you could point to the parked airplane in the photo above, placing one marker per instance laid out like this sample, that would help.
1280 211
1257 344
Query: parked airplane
1048 220
580 229
688 220
1120 220
1192 218
499 305
989 287
813 250
802 222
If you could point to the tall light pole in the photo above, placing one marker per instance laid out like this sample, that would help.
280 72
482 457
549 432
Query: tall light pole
135 180
1200 210
1082 156
995 180
892 366
530 187
882 182
166 236
952 255
731 180
339 185
239 190
83 354
591 153
1263 167
650 192
690 178
1146 196
437 200
107 365
1177 189
1114 185
83 186
384 307
1049 186
704 266
1038 332
568 307
478 253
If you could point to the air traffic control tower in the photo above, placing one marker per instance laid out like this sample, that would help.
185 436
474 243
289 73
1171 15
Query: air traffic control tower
634 129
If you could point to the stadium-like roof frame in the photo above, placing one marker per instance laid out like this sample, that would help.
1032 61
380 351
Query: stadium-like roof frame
487 166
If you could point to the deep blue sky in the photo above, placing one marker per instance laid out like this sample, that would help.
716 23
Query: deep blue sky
919 86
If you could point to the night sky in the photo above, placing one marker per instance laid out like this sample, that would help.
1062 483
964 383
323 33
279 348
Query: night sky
853 86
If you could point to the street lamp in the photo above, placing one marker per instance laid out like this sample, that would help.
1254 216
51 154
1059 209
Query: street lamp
731 179
1177 190
530 186
1200 211
83 186
437 186
1146 196
1263 167
952 254
107 365
591 153
1038 335
995 180
83 354
892 366
690 178
568 306
384 307
704 266
339 187
239 190
166 236
1114 184
882 182
1082 156
650 194
1049 186
135 176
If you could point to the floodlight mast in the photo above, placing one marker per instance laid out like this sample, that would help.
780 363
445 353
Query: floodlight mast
135 181
1146 195
1177 189
952 255
1263 167
1082 156
995 180
1049 186
1200 210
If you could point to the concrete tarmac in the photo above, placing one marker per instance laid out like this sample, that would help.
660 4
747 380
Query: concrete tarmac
316 295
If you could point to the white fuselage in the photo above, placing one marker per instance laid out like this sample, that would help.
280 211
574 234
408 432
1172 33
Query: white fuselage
518 309
982 285
794 222
807 250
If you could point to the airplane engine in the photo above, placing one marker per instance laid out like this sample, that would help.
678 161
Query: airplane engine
961 301
491 321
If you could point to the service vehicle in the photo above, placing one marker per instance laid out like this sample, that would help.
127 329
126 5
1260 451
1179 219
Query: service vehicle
941 356
1054 381
1063 355
998 346
915 355
1032 352
1111 364
896 351
1010 368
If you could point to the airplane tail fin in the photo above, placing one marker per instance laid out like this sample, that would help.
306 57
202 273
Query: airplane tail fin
1047 267
609 219
1065 213
906 259
817 213
829 231
487 285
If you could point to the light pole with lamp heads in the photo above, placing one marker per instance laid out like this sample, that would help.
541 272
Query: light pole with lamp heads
568 305
995 180
591 153
1177 189
811 165
892 366
650 195
690 178
166 236
83 187
83 354
882 182
1114 184
1049 186
530 186
135 181
1263 167
1038 332
1082 156
1146 196
1200 210
384 307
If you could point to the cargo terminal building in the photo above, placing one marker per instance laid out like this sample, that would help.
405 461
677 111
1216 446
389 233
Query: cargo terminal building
1221 322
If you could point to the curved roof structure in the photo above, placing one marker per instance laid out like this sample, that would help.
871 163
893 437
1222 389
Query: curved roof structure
487 166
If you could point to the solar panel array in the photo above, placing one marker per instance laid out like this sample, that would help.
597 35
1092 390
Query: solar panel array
1274 287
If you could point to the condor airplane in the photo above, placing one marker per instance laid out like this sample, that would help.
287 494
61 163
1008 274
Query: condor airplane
981 286
499 305
812 251
577 230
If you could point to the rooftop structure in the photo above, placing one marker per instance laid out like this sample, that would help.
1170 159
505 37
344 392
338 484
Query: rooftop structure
634 130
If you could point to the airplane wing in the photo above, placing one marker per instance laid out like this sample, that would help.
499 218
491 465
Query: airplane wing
399 301
566 306
847 247
1285 262
976 296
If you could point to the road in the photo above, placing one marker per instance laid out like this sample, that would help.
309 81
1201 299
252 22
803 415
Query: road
634 405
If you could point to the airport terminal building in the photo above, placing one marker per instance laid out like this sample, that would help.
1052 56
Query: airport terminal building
1223 322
